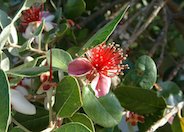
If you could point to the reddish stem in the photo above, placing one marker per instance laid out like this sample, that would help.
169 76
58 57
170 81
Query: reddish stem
50 78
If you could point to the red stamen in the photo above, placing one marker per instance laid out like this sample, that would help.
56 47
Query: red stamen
107 59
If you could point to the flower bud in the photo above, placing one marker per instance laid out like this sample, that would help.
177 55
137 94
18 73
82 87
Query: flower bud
21 104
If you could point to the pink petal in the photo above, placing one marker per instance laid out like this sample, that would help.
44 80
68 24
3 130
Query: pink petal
101 85
79 67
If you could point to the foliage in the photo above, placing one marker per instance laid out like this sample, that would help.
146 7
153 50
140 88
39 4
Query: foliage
59 65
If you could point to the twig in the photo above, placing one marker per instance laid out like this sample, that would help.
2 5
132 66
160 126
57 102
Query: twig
165 29
30 48
34 98
176 69
165 119
49 129
100 12
158 6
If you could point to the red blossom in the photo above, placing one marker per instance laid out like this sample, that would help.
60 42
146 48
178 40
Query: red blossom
99 64
31 15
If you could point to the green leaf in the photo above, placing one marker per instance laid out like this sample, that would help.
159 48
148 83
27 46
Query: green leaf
74 8
144 74
55 35
73 127
68 97
84 119
4 102
176 126
16 129
171 92
103 34
105 111
4 19
29 72
60 59
138 100
36 122
149 120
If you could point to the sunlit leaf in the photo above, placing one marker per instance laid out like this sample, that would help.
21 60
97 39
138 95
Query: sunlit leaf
68 97
105 111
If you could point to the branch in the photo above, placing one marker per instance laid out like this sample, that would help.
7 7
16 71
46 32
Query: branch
164 40
100 12
165 119
158 6
176 69
30 48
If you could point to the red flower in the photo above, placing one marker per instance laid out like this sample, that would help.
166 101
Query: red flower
134 118
31 15
99 65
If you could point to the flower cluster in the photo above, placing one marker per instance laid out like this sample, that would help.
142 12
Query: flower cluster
99 65
31 20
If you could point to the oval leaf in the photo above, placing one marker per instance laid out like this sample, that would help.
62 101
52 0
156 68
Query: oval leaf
73 127
68 97
60 59
171 92
103 34
4 102
144 74
138 100
105 111
30 72
36 122
74 8
84 119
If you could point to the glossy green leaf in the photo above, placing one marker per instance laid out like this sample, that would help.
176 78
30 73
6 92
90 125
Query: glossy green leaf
36 122
68 97
74 8
105 111
144 74
103 34
4 102
29 72
138 100
171 92
84 119
60 59
149 120
73 127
